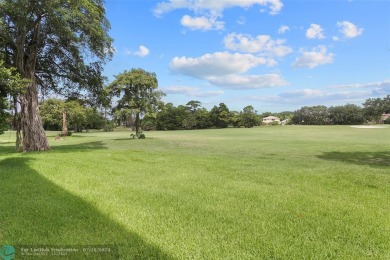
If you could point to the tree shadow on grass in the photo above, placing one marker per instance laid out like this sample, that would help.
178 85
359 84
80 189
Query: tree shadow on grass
8 149
374 159
82 147
36 212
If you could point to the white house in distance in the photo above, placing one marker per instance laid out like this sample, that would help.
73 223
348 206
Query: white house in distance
270 119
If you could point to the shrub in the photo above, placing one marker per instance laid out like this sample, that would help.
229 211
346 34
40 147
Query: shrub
139 136
148 126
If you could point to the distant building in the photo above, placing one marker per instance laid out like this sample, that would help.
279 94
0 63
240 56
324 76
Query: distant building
284 122
383 118
270 119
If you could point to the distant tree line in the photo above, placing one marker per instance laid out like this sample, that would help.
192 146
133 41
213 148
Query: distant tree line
348 114
84 115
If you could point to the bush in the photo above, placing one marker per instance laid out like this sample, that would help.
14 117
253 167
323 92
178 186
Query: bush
140 136
387 121
108 126
148 126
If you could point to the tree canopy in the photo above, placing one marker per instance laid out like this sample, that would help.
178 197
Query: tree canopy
58 45
137 90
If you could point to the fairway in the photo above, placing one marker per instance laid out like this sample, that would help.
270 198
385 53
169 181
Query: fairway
283 192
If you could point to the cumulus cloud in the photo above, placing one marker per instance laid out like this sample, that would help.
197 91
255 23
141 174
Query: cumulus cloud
213 6
191 91
201 23
262 44
208 12
283 29
227 70
249 81
141 52
316 57
315 32
349 30
215 64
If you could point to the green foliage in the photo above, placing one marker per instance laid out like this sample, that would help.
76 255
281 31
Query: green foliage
349 114
387 121
10 84
108 126
60 32
373 108
4 116
148 123
79 116
171 117
138 136
249 117
220 116
137 90
51 113
315 115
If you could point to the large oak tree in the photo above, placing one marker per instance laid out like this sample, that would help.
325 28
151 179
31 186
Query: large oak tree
58 45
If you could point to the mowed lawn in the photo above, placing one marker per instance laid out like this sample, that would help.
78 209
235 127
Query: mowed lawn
288 192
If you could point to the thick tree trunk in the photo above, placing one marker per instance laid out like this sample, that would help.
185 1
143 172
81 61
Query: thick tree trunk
64 131
34 137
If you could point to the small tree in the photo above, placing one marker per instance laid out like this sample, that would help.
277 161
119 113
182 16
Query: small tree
137 90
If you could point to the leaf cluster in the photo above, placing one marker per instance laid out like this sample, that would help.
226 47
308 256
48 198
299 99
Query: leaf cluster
64 42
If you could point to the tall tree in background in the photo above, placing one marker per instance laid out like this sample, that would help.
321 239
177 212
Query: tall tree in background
137 90
48 43
249 117
220 116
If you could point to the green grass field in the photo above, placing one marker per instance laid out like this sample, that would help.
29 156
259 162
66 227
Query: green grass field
291 192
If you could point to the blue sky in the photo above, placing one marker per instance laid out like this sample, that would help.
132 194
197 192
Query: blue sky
275 55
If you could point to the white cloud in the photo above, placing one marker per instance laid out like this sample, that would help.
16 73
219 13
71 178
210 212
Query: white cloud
249 81
225 70
215 6
262 44
141 52
315 32
201 23
377 88
349 30
215 64
191 91
335 38
310 97
352 93
311 59
283 29
385 83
